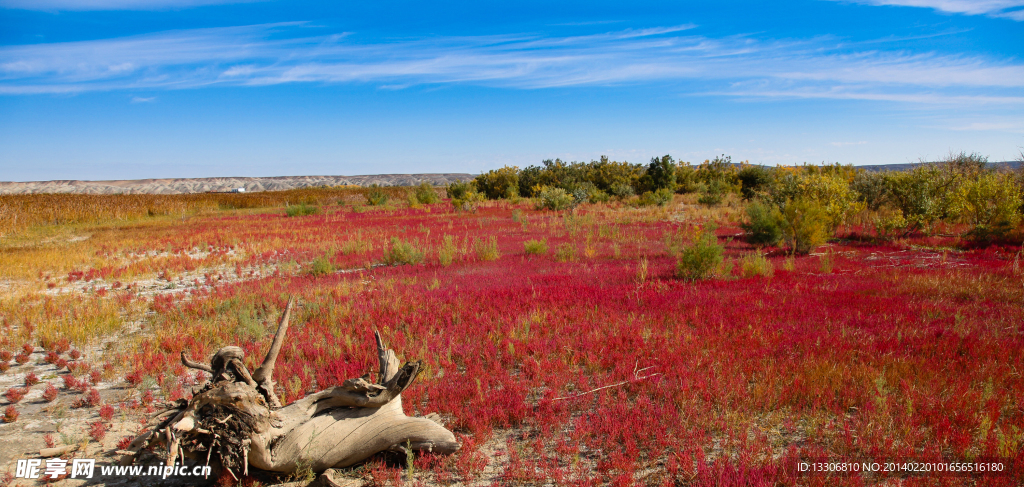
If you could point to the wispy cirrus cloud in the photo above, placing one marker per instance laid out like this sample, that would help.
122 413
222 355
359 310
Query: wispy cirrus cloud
687 63
1013 126
1011 9
83 5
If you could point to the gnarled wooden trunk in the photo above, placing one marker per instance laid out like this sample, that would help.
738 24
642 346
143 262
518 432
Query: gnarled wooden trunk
236 420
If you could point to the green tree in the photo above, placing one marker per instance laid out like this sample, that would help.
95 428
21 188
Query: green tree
499 183
989 202
660 174
804 225
753 179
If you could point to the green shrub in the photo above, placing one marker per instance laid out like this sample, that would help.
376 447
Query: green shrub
410 198
833 194
459 189
402 252
719 169
687 179
321 266
499 183
529 180
536 247
356 245
486 249
606 174
463 195
789 264
755 264
888 223
621 190
581 194
753 179
921 194
425 194
764 224
660 197
989 203
713 192
804 225
870 188
376 196
598 196
700 259
826 262
660 174
565 252
555 199
301 210
446 254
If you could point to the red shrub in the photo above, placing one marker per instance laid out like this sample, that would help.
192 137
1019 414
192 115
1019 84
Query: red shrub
75 354
124 442
107 412
93 398
15 394
10 414
70 382
95 376
78 367
4 366
62 345
29 349
21 358
51 357
50 393
6 355
133 379
97 431
31 379
49 440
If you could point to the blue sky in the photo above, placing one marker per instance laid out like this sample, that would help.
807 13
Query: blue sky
124 89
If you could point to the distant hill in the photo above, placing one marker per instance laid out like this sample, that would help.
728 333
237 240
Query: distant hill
279 183
202 185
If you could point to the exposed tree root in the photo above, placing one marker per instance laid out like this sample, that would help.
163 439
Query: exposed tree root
236 420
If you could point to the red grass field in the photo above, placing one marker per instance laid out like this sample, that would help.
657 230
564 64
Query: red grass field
588 364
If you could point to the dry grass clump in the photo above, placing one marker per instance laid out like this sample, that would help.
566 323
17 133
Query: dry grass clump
21 211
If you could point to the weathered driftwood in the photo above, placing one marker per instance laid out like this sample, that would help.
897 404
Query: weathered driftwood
236 420
58 451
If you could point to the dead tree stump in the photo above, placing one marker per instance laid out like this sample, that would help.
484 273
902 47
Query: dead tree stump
236 420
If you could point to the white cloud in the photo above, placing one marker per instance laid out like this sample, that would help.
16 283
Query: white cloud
1012 9
139 99
844 144
669 56
79 5
1014 126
